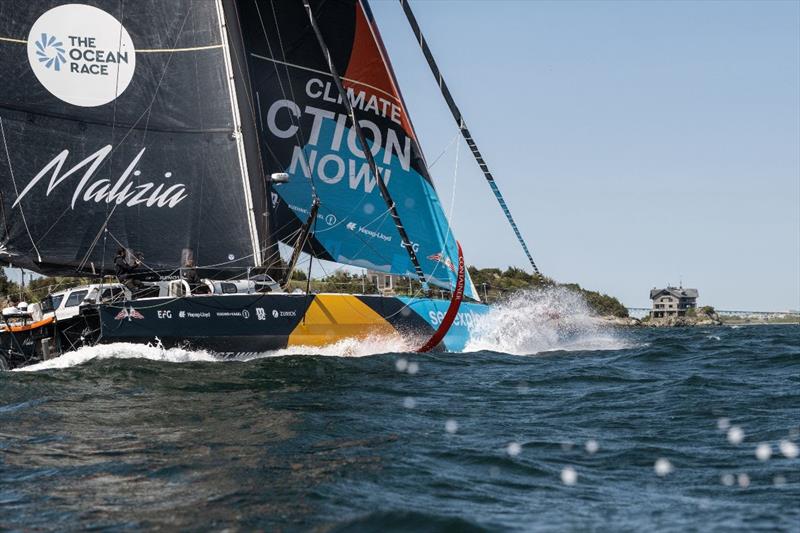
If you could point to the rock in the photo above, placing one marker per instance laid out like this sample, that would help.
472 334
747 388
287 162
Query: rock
619 321
701 319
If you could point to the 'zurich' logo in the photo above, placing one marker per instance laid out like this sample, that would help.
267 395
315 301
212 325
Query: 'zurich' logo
50 51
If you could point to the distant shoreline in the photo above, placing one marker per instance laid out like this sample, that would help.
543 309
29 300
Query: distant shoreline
631 322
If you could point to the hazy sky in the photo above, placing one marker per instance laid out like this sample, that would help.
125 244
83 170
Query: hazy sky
637 143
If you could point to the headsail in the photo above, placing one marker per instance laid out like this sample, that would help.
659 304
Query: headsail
306 133
122 125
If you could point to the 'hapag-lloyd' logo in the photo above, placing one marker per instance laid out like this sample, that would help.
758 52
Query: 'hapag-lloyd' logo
122 191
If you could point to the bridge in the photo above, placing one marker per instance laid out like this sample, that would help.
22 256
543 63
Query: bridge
642 311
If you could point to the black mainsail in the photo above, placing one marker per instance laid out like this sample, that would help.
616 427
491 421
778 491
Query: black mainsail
128 124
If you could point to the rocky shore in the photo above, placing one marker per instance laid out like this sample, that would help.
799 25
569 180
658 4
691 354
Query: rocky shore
699 319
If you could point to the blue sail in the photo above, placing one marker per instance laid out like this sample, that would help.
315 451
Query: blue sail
307 134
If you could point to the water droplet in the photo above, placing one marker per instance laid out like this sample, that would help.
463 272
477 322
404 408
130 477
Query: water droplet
763 451
788 449
727 480
369 208
723 423
663 467
401 365
513 449
494 471
779 480
413 368
592 446
409 203
522 387
743 480
566 446
409 402
569 476
735 435
451 426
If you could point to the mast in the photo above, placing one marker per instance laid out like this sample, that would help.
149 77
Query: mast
238 134
463 128
406 242
261 185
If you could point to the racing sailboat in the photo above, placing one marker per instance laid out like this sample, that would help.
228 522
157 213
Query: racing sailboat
201 135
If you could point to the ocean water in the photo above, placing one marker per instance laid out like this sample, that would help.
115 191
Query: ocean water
551 423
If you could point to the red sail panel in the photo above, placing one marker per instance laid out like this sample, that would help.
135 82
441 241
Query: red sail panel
370 71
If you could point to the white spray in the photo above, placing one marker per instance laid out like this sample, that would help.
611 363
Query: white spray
543 320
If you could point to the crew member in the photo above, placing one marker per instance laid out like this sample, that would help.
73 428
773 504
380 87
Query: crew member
189 274
126 272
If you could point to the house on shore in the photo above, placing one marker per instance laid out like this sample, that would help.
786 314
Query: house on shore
672 301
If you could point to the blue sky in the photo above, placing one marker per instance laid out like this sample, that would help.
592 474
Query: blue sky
637 143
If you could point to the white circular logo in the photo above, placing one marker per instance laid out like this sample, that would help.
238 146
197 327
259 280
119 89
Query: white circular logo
81 54
274 313
245 313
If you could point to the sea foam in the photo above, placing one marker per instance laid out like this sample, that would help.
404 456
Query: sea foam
545 320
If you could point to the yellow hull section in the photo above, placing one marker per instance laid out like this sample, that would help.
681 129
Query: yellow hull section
334 317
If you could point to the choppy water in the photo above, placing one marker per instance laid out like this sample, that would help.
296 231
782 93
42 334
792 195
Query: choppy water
569 438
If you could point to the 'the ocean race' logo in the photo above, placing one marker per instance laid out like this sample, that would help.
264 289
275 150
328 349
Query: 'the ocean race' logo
50 51
81 54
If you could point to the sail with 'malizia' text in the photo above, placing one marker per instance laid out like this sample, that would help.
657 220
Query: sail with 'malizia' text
127 124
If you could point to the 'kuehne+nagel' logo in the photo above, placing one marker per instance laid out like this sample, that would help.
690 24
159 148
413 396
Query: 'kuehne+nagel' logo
81 54
50 51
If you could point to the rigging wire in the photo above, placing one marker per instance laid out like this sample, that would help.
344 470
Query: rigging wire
113 127
16 190
426 51
146 113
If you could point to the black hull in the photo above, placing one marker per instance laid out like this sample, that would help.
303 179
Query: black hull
236 325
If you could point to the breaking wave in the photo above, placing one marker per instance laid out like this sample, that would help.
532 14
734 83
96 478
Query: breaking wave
154 352
545 320
122 351
351 347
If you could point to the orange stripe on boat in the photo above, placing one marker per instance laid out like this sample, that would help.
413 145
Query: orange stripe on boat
32 325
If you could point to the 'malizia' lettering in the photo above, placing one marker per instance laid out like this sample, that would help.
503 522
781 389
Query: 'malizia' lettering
122 192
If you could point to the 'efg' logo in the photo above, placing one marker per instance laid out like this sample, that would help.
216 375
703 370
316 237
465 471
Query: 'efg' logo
81 54
50 51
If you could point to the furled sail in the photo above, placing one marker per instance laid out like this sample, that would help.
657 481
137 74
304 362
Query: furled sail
306 133
127 123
